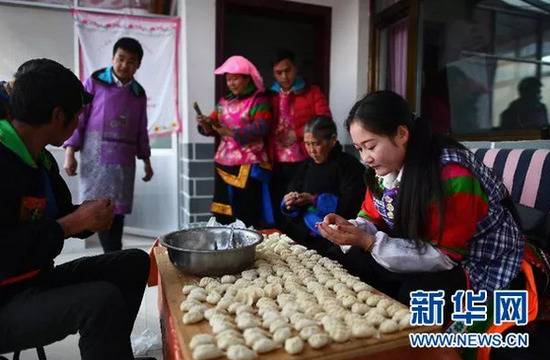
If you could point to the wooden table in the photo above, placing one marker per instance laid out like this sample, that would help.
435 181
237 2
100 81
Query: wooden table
176 335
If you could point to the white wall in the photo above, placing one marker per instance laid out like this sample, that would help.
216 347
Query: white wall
348 70
198 59
155 209
345 70
30 32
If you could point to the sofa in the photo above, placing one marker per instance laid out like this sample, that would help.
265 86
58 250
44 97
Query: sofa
526 175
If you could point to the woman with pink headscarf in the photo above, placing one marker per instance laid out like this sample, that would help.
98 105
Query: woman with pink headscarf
241 121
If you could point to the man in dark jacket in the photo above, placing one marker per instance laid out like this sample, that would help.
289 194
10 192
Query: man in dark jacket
526 112
41 303
4 100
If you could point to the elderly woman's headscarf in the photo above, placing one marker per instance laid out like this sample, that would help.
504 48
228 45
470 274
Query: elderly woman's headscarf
240 65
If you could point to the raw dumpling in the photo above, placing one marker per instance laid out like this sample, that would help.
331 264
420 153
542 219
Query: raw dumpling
277 324
319 340
200 339
272 290
359 308
340 334
281 334
198 308
363 295
218 327
186 305
294 345
228 279
303 323
244 308
198 294
375 319
373 300
252 337
205 281
187 289
405 322
389 326
245 322
209 313
240 352
213 298
264 345
360 329
206 352
192 317
307 332
224 342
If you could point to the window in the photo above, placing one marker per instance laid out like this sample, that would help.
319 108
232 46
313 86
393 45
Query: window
486 68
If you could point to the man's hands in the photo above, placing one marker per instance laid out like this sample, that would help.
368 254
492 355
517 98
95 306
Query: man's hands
70 164
148 170
93 215
341 232
286 138
293 199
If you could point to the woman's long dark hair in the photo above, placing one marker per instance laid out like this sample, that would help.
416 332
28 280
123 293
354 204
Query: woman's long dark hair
382 112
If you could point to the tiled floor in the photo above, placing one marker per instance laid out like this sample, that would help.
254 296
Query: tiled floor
146 328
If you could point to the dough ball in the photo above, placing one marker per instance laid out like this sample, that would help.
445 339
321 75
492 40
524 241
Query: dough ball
200 339
240 352
319 340
264 345
294 345
192 317
388 326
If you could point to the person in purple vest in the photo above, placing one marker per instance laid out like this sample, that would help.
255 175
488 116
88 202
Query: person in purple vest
111 133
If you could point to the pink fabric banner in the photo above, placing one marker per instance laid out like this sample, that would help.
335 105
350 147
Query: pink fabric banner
158 72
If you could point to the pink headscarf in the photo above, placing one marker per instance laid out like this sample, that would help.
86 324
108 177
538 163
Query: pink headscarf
240 65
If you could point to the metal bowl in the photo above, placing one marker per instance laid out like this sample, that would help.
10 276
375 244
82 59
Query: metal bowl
212 251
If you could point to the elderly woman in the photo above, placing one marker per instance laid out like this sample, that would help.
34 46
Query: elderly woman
241 121
328 181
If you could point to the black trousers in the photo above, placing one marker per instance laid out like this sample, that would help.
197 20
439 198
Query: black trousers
283 174
111 240
246 203
399 285
99 297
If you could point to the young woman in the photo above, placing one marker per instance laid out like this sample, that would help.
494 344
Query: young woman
433 216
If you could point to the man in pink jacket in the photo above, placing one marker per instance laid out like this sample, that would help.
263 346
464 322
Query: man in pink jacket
294 102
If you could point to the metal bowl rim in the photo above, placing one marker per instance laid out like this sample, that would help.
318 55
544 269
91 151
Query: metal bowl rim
165 244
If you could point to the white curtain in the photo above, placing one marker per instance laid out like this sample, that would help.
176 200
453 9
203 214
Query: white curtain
398 39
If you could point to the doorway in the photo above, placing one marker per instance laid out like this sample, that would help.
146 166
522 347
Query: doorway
257 29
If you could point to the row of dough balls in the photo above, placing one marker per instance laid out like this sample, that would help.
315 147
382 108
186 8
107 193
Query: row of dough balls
290 288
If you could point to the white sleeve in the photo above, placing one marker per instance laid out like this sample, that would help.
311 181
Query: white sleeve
362 224
403 255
